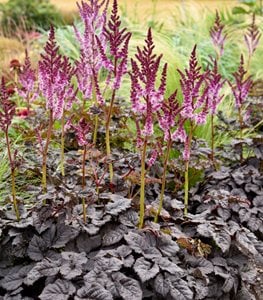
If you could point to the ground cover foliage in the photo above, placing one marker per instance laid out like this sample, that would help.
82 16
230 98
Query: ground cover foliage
131 205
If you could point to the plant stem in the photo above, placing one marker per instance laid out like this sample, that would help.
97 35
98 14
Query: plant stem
186 174
62 150
186 187
107 125
95 101
12 167
44 162
241 125
84 182
108 148
169 144
212 140
142 190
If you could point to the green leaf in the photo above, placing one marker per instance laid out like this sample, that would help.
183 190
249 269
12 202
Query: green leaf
239 10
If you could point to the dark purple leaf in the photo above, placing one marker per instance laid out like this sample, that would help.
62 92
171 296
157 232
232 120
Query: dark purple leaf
94 292
59 290
145 269
128 288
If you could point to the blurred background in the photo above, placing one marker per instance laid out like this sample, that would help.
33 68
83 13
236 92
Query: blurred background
177 26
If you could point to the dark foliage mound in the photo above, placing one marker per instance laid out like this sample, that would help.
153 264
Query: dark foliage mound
214 253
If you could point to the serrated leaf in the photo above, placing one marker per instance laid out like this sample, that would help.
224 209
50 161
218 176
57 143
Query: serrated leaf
59 290
145 269
136 241
228 284
111 264
161 285
205 229
72 264
86 243
222 239
94 292
166 265
117 205
37 248
179 290
113 236
64 234
128 288
130 218
44 268
167 246
244 244
15 277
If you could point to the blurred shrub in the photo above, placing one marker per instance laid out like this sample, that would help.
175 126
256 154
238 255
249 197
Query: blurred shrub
28 14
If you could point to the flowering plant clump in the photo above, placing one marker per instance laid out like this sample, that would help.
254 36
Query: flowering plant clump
7 113
27 82
169 118
146 100
117 39
200 95
240 89
82 130
55 73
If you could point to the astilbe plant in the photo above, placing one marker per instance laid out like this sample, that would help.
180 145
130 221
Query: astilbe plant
169 118
117 39
82 131
93 14
27 82
146 101
195 108
240 88
218 37
215 83
252 37
7 112
55 75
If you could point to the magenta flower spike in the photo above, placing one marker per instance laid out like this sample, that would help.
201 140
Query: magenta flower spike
195 91
252 37
147 101
82 130
215 84
27 82
93 15
55 74
240 89
217 36
195 108
242 84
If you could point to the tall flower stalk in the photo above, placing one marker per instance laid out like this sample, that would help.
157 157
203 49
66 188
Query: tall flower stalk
167 121
27 82
146 101
93 15
215 82
55 75
218 37
118 40
7 112
82 130
240 89
195 109
252 37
